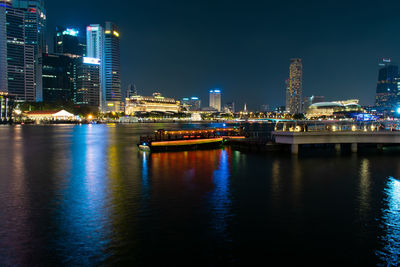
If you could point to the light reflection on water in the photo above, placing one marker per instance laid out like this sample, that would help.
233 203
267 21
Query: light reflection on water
85 195
390 253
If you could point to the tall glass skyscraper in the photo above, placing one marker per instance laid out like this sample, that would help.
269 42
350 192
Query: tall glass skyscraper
95 49
387 86
294 92
112 67
17 60
215 99
35 27
67 42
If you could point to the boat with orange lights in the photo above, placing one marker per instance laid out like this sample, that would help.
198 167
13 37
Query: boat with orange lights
163 140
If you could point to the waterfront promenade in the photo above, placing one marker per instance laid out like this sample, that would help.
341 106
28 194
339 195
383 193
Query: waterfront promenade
337 133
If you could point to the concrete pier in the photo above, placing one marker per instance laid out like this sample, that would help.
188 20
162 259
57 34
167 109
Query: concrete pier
337 138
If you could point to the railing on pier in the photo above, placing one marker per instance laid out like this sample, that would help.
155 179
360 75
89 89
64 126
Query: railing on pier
336 126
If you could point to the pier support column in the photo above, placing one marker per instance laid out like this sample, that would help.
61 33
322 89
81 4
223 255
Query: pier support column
295 149
354 147
337 148
379 147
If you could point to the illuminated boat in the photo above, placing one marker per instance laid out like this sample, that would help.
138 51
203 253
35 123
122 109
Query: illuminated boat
163 140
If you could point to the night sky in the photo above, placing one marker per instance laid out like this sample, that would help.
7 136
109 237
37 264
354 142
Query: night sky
185 48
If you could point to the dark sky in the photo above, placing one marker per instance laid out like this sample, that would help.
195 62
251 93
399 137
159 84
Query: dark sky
185 48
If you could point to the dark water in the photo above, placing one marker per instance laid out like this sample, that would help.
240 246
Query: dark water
84 195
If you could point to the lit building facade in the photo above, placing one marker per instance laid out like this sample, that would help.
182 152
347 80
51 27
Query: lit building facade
387 87
58 78
294 92
328 109
215 99
6 107
95 49
66 42
17 59
308 101
112 68
193 103
35 28
88 82
155 103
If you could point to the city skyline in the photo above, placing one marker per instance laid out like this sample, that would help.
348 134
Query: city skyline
190 58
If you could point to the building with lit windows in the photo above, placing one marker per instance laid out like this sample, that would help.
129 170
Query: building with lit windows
294 91
95 49
35 28
17 59
88 82
6 107
387 85
155 103
67 42
329 109
192 103
308 101
215 99
112 68
58 78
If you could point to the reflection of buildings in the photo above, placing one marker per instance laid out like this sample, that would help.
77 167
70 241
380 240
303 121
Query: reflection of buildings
156 103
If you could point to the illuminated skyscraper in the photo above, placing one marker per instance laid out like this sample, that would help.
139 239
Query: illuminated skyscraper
17 59
95 49
387 86
112 68
35 28
67 43
294 91
88 82
215 99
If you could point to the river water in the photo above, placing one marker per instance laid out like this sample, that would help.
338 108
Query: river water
84 195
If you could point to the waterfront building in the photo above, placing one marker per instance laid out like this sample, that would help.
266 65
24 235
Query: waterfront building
17 59
112 68
215 99
58 78
50 115
35 28
88 82
387 86
6 107
329 109
309 100
67 42
294 91
155 103
193 103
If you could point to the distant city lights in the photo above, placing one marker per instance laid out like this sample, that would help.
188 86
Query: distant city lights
70 31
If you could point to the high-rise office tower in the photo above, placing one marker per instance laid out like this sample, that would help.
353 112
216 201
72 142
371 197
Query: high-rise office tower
35 28
17 59
294 92
95 49
88 82
112 68
215 99
387 86
58 78
67 42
